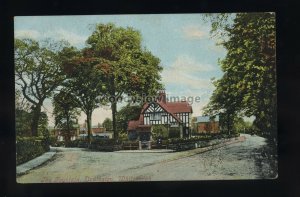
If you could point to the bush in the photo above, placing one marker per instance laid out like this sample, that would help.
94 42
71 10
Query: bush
72 144
52 140
123 136
82 143
160 131
28 148
174 132
105 144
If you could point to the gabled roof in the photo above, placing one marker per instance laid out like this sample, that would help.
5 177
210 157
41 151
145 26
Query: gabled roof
179 107
133 124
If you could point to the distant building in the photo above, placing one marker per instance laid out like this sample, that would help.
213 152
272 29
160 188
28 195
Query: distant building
206 124
95 131
59 133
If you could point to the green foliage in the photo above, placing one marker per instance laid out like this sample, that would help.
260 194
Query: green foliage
241 126
105 142
52 140
85 82
126 114
65 113
248 85
107 123
174 132
37 73
73 143
23 120
123 136
28 148
43 124
160 131
129 68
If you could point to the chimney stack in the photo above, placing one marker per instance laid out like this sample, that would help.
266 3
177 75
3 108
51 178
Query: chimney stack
162 96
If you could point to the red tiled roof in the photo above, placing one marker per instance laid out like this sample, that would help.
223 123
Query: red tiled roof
133 124
179 107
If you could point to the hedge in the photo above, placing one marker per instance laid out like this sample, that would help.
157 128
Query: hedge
180 144
105 144
28 148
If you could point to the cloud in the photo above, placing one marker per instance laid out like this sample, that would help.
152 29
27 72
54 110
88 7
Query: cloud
71 37
183 73
193 32
187 64
33 34
56 34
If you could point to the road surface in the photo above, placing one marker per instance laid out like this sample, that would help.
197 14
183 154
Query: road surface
243 160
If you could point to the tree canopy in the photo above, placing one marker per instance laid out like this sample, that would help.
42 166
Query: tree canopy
65 112
128 68
37 73
248 86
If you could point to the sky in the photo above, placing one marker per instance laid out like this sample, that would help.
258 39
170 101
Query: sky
189 56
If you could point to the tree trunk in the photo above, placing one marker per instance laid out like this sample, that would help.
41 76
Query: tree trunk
89 122
114 111
228 123
68 129
114 107
35 120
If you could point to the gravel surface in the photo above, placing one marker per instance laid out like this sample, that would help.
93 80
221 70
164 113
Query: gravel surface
243 160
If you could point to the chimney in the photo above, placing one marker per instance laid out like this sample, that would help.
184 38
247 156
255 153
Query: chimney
162 96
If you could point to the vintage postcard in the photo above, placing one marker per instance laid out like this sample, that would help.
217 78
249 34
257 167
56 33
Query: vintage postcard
148 97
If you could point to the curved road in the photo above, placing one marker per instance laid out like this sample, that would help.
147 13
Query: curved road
242 160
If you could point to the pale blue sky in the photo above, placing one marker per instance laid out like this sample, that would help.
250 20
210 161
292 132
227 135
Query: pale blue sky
181 41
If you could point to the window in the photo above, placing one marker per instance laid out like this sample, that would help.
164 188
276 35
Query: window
155 116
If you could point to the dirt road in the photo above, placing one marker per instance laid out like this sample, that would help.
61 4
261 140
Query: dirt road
242 160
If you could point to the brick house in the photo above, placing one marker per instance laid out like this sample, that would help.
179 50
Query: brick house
204 124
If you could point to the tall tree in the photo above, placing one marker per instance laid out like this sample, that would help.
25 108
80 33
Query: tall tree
65 112
129 69
38 73
85 82
250 70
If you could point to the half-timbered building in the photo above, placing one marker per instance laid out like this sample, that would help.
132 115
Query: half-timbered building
161 112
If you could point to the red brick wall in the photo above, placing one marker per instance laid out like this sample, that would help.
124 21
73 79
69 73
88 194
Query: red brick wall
212 127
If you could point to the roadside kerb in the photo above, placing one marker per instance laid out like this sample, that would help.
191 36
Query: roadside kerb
29 165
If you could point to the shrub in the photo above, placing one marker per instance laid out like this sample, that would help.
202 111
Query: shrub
72 144
105 142
28 148
160 131
52 140
83 143
174 132
123 136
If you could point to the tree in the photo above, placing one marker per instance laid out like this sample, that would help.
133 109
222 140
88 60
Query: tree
128 68
85 82
37 73
127 113
107 124
249 83
160 131
65 112
22 114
